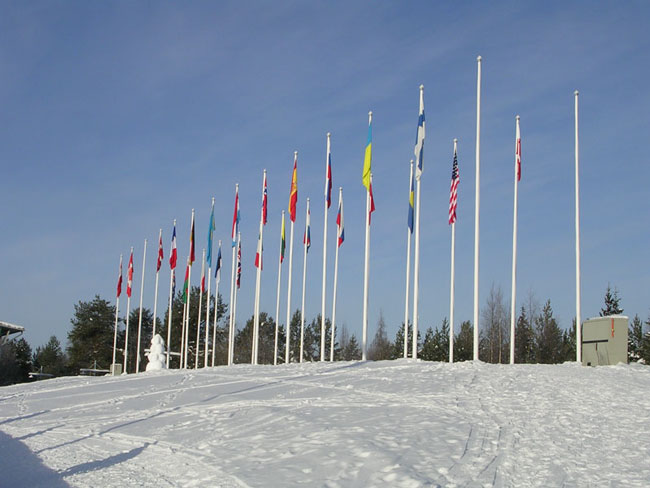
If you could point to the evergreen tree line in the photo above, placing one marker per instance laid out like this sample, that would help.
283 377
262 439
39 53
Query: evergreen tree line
539 339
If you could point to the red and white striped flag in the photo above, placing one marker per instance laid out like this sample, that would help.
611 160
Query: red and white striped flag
174 254
160 253
129 277
453 193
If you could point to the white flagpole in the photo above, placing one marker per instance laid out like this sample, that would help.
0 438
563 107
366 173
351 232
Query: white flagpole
207 305
137 356
198 320
277 304
578 317
366 267
189 295
258 282
477 204
416 267
232 294
336 276
181 363
216 310
169 317
234 320
155 296
288 341
323 298
453 278
128 309
513 296
408 275
304 282
117 311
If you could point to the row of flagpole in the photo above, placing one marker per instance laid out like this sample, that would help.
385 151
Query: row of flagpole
413 227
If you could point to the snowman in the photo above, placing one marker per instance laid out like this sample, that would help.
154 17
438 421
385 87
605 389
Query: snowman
156 356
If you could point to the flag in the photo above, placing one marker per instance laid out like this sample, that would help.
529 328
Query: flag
453 192
328 176
306 238
173 255
217 272
203 278
368 157
119 279
340 231
419 137
239 263
282 242
173 284
129 276
210 232
372 202
264 201
411 193
518 152
293 194
192 258
160 253
258 253
186 283
235 219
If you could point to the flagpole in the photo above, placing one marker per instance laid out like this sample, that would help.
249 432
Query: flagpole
234 320
260 248
277 303
207 305
336 276
366 267
169 317
117 311
323 298
513 299
578 316
137 356
408 274
126 336
416 267
477 204
304 283
189 292
181 363
232 288
288 341
216 308
452 288
198 320
155 296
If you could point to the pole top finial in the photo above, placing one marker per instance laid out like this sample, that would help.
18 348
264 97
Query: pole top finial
192 210
517 117
131 248
307 199
236 185
575 93
455 140
479 58
329 134
295 153
370 113
421 87
174 221
213 200
340 188
264 170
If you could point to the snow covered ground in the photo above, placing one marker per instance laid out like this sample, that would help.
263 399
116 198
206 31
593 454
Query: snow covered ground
390 423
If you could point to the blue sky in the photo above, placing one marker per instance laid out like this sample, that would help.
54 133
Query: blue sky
117 117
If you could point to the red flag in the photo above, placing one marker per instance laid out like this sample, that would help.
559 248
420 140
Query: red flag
160 252
264 201
293 195
518 151
119 279
453 192
372 201
173 255
129 278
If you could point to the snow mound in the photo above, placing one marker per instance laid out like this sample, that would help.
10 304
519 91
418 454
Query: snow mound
389 423
156 356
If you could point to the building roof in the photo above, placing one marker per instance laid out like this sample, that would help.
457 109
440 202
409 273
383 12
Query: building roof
6 329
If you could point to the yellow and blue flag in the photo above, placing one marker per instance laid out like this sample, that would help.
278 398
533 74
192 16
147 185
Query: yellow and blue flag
368 157
419 137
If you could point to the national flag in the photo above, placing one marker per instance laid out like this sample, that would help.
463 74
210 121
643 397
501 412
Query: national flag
210 232
186 283
328 176
119 279
372 202
293 194
239 263
173 255
173 283
264 201
217 272
160 253
368 157
411 193
203 278
306 238
340 231
283 241
192 258
235 219
453 192
419 137
518 152
258 253
129 276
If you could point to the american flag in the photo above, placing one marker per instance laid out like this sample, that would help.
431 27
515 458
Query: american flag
453 192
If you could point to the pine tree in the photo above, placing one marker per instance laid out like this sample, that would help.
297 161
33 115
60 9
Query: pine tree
635 340
351 352
645 345
50 359
569 343
91 337
612 303
15 361
549 337
524 339
436 344
495 316
397 349
380 348
464 342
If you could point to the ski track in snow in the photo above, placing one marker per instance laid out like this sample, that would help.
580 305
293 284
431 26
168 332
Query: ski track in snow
391 423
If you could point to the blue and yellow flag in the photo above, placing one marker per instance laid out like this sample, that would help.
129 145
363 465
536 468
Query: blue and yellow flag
368 158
